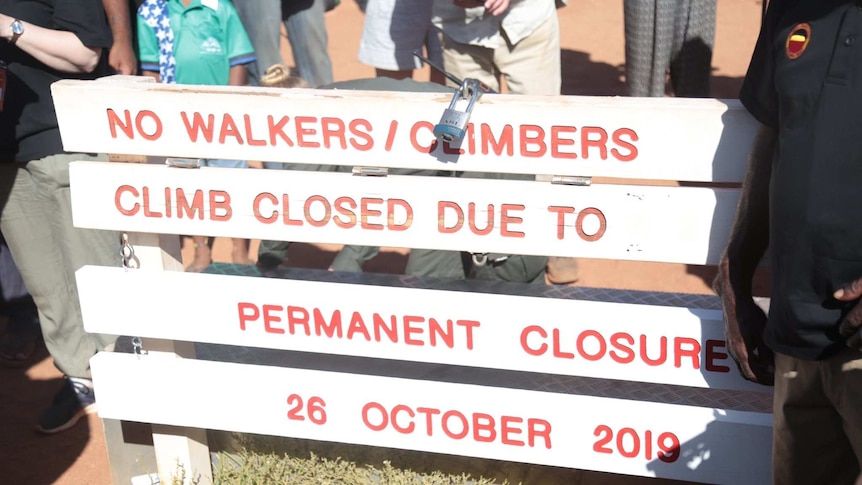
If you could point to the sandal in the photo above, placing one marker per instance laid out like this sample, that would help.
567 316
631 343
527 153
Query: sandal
17 348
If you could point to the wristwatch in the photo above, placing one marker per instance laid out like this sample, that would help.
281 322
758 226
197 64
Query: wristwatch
17 30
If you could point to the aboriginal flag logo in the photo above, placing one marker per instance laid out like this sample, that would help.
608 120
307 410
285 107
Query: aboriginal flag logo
797 41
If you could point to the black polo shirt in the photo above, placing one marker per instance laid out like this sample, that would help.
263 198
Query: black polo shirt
805 80
28 123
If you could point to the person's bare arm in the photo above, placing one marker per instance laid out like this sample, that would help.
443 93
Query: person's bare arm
57 49
121 56
238 76
744 321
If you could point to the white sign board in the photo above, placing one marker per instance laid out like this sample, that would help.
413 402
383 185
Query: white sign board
646 138
645 223
630 342
619 436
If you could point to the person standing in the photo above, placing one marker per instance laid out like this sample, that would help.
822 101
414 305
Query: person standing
393 31
517 40
800 199
673 37
199 42
305 23
45 42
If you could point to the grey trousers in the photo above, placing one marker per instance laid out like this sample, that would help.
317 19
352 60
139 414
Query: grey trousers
36 219
669 35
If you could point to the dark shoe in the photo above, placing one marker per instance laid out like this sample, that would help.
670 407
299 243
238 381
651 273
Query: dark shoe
74 401
16 349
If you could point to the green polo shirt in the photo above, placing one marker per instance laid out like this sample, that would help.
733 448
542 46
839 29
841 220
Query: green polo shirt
207 42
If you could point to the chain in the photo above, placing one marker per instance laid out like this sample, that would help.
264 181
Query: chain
128 260
127 252
138 347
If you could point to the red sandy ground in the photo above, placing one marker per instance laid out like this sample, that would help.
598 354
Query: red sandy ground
592 43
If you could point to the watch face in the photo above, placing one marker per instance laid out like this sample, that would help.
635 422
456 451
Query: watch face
17 28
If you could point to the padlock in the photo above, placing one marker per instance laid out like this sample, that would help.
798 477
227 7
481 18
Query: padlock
453 125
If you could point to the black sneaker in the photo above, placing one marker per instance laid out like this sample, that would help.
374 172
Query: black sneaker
74 401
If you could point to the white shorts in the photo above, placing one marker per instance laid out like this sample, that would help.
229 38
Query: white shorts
393 30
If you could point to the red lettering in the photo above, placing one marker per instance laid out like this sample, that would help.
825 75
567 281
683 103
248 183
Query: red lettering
441 217
663 352
302 131
629 354
190 209
460 417
198 127
557 351
285 205
297 316
248 134
557 142
506 430
483 428
383 416
471 215
248 312
147 211
561 218
435 330
579 224
344 206
125 124
603 348
410 330
505 142
588 141
399 409
118 195
366 212
228 128
538 428
414 130
269 317
506 219
533 135
220 201
391 205
139 123
692 350
468 325
364 135
333 128
276 130
525 334
327 210
631 150
256 208
357 325
712 355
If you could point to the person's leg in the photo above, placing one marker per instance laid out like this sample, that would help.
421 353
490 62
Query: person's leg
22 329
845 387
809 442
464 60
262 21
392 32
306 32
532 66
691 59
649 27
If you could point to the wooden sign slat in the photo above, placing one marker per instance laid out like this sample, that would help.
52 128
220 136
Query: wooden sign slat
619 436
655 344
645 223
647 138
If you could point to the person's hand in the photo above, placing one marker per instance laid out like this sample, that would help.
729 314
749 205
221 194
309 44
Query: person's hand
122 59
744 323
851 326
495 7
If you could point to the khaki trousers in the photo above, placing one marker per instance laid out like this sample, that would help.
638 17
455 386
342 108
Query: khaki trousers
817 420
36 219
532 66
